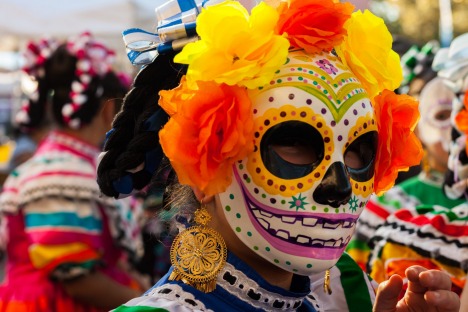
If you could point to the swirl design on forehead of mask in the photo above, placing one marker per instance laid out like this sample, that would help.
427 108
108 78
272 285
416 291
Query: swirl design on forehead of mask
322 76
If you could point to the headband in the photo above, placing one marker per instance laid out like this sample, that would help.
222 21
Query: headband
211 119
35 55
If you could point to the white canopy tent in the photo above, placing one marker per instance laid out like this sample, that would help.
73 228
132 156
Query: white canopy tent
22 20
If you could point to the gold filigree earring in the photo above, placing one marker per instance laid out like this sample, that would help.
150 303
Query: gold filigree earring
326 283
198 254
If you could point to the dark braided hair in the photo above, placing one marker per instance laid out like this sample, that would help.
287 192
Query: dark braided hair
55 85
130 142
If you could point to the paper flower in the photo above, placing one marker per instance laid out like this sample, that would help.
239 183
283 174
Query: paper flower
367 51
461 119
398 146
314 25
235 48
210 128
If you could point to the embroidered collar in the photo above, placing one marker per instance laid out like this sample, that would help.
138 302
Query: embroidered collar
239 285
241 280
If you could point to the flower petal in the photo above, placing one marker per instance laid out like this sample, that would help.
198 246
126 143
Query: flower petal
374 62
235 48
398 146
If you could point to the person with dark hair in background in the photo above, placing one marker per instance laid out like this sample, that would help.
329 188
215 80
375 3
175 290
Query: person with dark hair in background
64 241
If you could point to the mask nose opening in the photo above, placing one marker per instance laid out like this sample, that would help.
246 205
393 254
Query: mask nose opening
335 188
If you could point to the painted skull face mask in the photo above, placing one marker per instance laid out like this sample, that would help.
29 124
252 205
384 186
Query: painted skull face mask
435 107
293 137
312 169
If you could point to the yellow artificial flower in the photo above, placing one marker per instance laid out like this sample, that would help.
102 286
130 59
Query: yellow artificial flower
235 48
367 51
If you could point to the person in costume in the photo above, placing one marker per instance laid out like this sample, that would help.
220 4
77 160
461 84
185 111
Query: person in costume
434 130
279 129
417 72
433 234
64 241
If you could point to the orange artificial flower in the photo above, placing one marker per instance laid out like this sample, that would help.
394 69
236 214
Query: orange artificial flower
209 130
398 147
169 99
314 25
461 119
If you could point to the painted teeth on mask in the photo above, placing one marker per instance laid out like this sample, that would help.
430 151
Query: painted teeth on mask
309 221
267 219
306 221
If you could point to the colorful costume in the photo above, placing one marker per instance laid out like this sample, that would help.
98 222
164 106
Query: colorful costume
428 230
239 288
58 227
426 189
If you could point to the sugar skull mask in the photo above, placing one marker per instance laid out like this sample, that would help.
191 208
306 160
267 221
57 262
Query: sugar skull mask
435 106
285 132
312 169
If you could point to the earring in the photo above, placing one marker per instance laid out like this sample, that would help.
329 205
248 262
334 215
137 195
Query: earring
198 254
326 283
426 167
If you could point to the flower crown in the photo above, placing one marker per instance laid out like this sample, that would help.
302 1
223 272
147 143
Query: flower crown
237 51
93 59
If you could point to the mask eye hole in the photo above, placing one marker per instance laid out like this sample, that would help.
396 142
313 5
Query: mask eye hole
360 155
442 115
292 149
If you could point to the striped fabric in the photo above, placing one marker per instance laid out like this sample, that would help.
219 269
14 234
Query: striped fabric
62 166
424 189
58 227
432 236
352 289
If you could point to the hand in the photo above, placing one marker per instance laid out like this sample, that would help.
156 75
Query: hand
428 291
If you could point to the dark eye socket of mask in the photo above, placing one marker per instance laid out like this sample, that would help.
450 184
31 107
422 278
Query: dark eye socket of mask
292 149
442 115
359 157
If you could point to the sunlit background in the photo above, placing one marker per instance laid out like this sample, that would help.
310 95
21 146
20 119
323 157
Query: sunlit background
423 20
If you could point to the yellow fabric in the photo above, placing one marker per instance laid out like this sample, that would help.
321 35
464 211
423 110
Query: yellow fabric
360 256
6 151
42 255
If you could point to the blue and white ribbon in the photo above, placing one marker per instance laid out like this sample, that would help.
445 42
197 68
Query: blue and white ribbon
176 27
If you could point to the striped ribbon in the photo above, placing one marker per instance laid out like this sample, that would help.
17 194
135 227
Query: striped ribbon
176 27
